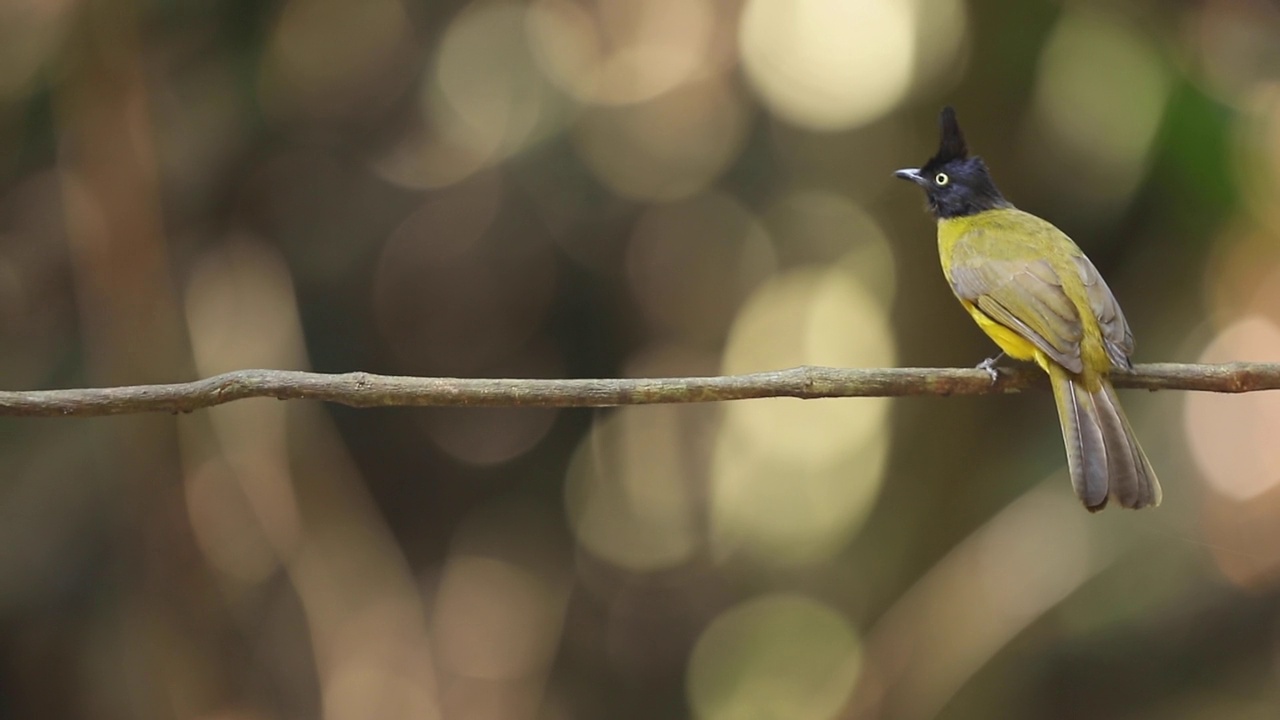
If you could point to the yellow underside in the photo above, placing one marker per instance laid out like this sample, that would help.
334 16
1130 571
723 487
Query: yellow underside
1014 345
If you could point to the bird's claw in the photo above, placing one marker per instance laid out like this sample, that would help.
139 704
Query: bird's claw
990 366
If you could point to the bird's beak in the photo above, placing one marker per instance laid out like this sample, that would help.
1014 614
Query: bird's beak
912 174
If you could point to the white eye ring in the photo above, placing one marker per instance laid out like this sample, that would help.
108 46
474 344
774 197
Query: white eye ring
941 179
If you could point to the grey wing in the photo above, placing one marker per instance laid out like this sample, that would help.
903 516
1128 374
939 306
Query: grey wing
1025 296
1116 336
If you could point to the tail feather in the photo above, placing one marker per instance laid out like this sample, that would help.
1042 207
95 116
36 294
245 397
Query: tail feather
1136 486
1103 456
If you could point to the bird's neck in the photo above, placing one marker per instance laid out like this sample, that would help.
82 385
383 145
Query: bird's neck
970 204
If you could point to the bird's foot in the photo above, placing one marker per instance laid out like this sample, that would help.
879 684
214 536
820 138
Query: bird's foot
990 366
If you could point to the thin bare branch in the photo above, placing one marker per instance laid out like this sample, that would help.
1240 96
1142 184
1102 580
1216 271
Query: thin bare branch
360 389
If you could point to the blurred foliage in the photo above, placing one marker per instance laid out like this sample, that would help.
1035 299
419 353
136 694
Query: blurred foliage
553 188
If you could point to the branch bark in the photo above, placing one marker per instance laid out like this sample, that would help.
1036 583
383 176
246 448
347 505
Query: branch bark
359 389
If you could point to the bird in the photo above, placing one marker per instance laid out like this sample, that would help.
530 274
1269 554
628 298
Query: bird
1031 289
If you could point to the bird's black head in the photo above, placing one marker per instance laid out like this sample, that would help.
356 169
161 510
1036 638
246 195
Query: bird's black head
955 183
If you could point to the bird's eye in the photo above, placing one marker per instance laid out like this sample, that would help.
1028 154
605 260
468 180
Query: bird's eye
941 179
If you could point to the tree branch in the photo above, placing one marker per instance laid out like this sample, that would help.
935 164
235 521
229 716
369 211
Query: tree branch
360 389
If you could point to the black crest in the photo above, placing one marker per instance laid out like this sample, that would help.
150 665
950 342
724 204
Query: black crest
956 183
952 145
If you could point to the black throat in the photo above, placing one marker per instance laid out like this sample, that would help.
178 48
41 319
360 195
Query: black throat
972 199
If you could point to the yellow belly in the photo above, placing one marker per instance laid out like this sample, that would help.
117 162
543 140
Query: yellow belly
1014 345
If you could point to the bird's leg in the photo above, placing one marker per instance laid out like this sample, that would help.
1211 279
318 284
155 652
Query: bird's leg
990 366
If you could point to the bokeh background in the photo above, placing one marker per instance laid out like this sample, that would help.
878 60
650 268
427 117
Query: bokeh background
603 188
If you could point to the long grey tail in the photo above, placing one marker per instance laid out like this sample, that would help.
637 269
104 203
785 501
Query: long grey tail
1103 456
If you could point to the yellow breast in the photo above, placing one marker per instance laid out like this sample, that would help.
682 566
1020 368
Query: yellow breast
952 230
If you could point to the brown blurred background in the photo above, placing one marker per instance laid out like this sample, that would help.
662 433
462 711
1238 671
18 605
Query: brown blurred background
596 188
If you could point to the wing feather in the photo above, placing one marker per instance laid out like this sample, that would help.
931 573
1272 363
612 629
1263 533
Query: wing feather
1025 296
1117 338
